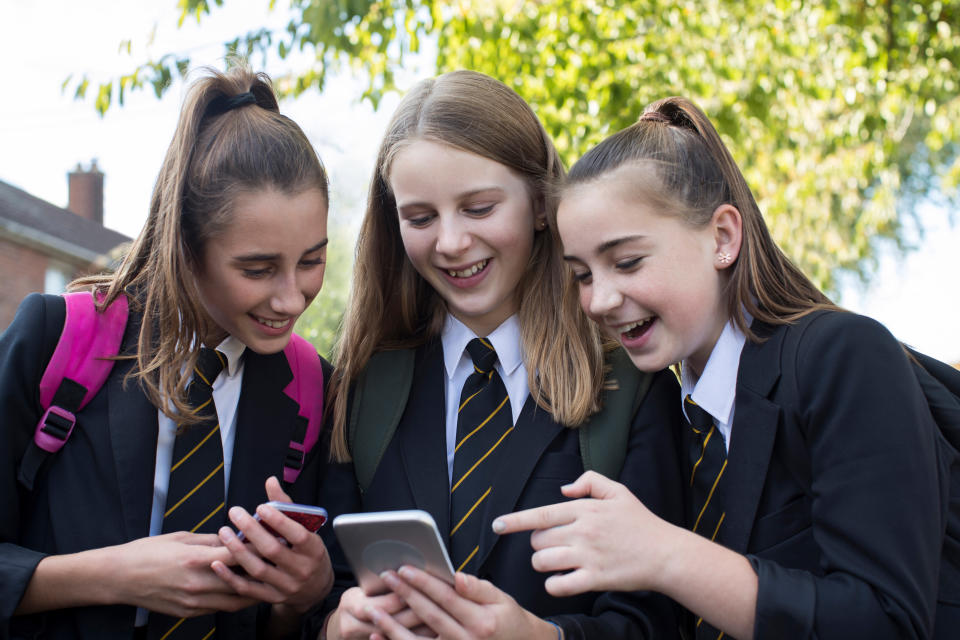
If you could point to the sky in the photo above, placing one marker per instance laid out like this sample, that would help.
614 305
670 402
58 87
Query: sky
45 133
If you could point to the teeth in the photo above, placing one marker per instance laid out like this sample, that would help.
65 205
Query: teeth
273 324
633 325
466 273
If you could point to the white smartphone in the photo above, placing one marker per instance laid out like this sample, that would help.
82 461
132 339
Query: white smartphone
378 541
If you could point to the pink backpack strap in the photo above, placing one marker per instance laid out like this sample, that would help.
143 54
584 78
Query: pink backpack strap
77 370
306 389
79 366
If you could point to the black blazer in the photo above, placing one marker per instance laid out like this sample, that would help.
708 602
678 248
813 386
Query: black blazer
834 485
541 456
98 490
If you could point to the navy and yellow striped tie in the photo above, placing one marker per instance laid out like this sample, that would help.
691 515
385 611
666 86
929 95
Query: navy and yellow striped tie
195 496
484 421
708 461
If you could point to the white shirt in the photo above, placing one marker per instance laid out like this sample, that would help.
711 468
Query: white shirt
458 365
226 396
716 390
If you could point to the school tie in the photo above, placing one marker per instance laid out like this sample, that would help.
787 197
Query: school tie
708 461
484 420
195 496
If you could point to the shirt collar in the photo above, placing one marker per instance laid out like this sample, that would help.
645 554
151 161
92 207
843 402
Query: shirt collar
233 349
716 389
505 340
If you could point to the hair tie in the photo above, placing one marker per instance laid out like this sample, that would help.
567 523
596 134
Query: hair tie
654 116
222 104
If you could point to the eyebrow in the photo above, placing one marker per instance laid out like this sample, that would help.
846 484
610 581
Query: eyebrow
460 196
608 245
266 257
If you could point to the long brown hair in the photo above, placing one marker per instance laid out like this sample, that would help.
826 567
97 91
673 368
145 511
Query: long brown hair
691 173
392 307
230 139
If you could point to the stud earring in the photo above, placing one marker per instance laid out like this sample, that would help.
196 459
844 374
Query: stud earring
724 258
541 225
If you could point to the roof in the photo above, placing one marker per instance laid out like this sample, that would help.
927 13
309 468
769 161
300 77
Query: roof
38 222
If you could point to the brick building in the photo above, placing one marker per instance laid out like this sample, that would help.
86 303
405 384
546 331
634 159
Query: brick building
43 247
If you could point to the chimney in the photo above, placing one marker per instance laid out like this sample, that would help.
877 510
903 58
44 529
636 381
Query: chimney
86 192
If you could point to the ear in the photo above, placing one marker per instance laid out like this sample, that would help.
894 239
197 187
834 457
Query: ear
727 235
539 214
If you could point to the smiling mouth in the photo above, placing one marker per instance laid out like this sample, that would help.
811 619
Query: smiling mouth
469 271
636 329
273 324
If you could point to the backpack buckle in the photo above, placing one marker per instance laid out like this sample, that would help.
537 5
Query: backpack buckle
53 429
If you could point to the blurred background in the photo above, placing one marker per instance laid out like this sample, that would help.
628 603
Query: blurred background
843 114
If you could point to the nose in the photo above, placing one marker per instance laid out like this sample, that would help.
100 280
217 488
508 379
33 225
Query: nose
288 298
604 296
453 238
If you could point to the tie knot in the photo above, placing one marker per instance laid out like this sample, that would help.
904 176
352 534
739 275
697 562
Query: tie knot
698 417
210 363
482 354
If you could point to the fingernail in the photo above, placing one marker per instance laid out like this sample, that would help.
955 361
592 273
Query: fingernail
390 579
499 525
373 613
405 572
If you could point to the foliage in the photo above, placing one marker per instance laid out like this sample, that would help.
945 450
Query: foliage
321 321
842 113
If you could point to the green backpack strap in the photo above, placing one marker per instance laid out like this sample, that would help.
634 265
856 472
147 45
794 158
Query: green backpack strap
379 398
604 437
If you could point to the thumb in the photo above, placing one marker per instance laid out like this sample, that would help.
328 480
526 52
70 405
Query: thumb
275 491
593 485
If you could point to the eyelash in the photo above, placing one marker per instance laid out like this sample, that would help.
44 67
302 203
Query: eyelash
480 211
626 265
260 273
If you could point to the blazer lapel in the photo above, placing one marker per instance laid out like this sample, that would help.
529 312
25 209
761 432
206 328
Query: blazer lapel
534 432
266 418
756 421
423 437
132 421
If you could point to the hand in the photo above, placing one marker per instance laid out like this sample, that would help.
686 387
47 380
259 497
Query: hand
352 621
606 541
472 608
296 576
171 574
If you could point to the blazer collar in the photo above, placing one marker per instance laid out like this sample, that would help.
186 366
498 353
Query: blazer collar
755 429
423 436
132 423
266 419
534 432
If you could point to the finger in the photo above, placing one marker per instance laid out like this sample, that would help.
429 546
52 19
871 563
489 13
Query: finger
246 587
563 585
592 484
201 539
434 609
275 490
253 556
477 590
556 559
537 518
389 627
290 530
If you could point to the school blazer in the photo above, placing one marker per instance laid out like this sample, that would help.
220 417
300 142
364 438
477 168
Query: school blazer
541 456
97 491
851 550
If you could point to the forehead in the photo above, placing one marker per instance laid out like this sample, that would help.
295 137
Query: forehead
425 167
269 219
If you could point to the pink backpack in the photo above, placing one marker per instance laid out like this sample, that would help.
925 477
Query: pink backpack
82 361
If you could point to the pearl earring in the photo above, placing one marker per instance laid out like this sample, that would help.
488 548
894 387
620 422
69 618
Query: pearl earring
724 258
